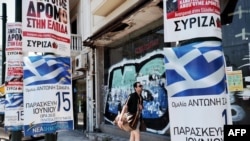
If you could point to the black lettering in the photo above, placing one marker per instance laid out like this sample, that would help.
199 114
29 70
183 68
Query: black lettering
177 27
204 18
192 21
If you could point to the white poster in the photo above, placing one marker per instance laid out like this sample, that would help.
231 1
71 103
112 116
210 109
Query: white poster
14 41
187 19
14 76
2 105
48 105
46 26
199 106
13 112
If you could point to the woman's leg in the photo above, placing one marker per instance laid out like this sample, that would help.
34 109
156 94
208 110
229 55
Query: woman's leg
135 134
132 136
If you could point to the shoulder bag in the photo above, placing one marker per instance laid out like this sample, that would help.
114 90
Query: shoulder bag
130 121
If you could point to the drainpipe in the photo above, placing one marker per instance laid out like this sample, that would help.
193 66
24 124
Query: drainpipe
97 94
90 93
90 72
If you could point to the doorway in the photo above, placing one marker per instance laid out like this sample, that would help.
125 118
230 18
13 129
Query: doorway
79 101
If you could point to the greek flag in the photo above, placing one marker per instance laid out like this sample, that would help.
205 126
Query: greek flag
14 100
195 69
47 69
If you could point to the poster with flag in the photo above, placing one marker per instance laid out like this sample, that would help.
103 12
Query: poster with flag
46 26
48 105
187 19
199 105
13 112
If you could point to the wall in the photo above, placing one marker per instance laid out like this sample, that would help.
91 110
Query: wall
100 21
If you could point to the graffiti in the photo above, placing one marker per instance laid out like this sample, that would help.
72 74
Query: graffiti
150 71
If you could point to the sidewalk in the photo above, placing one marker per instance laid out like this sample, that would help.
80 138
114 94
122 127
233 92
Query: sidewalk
74 135
104 137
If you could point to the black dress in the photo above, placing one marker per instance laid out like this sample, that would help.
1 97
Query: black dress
133 102
132 106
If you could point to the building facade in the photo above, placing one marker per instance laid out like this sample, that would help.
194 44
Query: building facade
123 42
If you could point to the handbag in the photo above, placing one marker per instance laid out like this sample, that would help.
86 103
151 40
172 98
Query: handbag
129 120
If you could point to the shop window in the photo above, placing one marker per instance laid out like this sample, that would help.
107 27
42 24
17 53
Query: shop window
236 47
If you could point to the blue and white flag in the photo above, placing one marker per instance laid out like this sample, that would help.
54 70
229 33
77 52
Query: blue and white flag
48 105
14 100
46 70
195 81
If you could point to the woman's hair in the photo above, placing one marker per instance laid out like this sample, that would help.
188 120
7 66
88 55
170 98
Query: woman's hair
135 84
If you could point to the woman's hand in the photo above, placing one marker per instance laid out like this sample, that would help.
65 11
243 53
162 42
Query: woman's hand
120 122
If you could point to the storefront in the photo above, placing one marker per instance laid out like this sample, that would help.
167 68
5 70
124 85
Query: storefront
235 33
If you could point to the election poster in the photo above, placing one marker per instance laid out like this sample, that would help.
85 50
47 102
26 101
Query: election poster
13 85
13 41
195 82
188 19
48 105
46 26
14 73
14 76
13 112
2 105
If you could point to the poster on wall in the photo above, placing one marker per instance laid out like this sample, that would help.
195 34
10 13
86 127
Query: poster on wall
185 19
2 105
14 76
234 80
195 81
48 105
13 112
46 26
13 49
